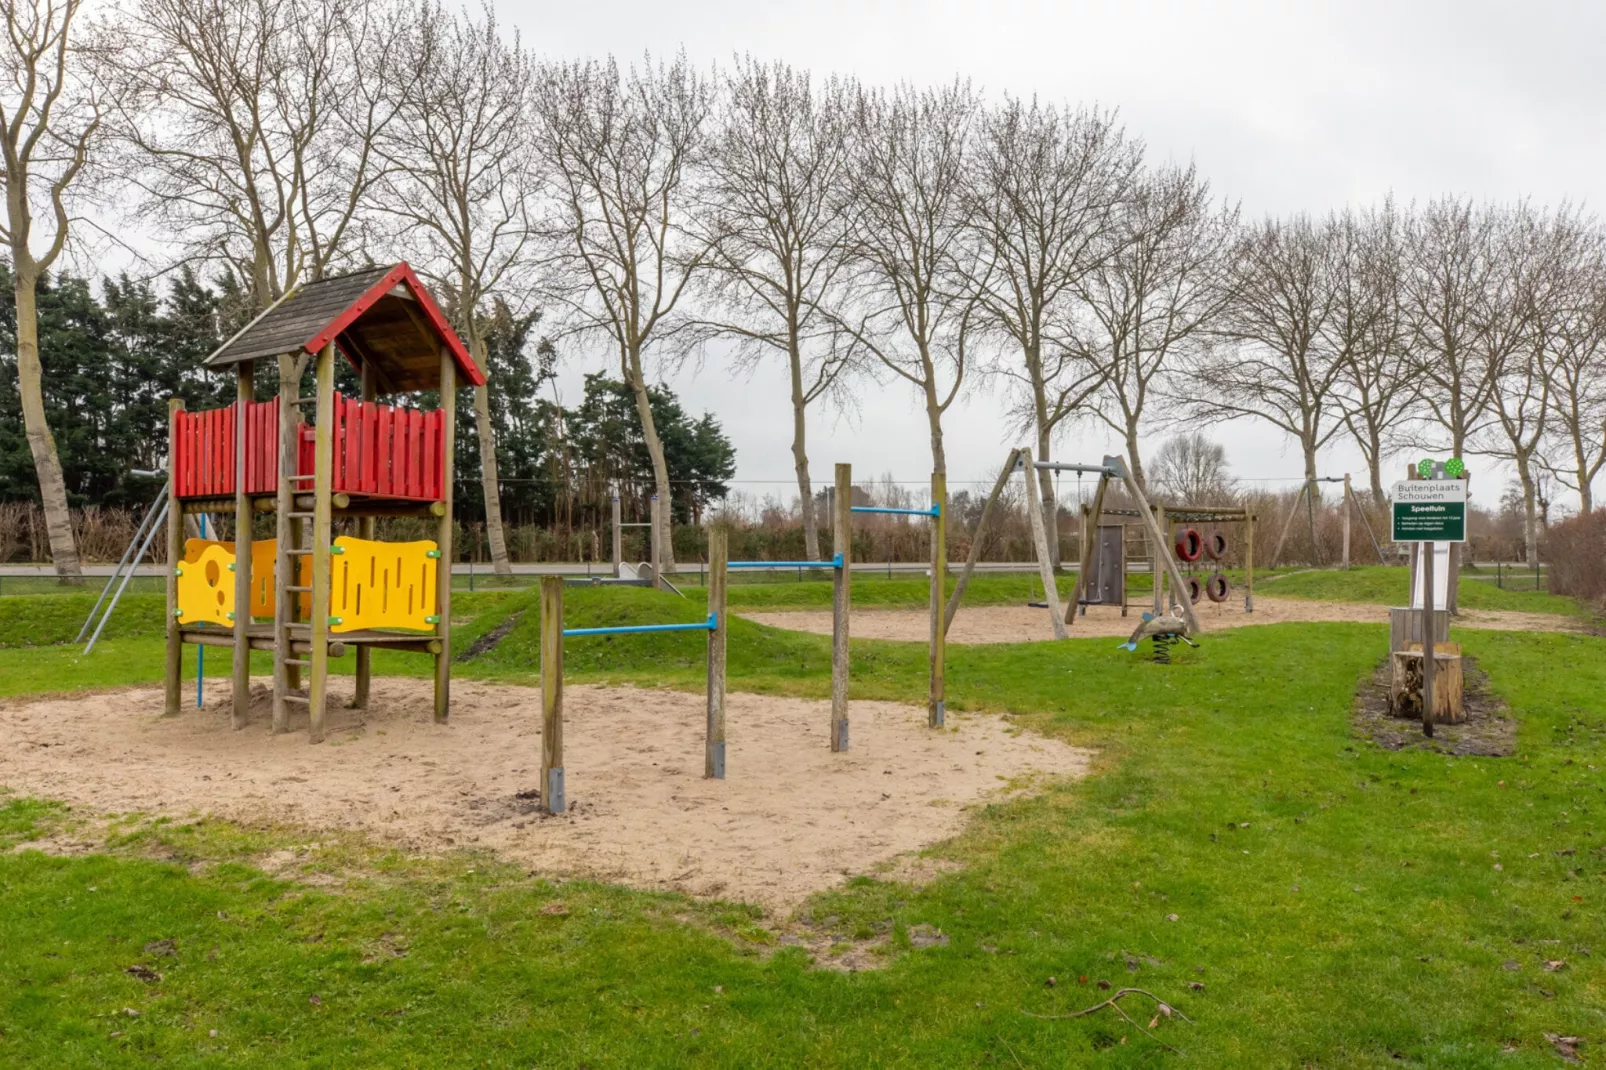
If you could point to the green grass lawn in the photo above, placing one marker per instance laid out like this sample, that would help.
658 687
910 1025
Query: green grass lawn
1390 586
1338 905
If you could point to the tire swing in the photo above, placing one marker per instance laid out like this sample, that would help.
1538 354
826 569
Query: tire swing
1190 544
1216 587
1215 547
1195 590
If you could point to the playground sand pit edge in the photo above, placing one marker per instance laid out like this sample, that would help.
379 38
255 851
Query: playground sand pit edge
1024 624
790 818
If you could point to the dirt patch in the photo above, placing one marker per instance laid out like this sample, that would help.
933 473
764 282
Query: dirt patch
791 818
1487 731
487 642
1022 624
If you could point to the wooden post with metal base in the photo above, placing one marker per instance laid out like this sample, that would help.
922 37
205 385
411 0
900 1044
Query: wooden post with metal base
443 540
552 794
244 394
714 738
936 704
842 546
173 672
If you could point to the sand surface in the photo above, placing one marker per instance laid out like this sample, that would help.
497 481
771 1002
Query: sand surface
1022 624
790 818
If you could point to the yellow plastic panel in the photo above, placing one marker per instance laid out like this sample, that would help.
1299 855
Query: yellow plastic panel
264 554
382 585
206 583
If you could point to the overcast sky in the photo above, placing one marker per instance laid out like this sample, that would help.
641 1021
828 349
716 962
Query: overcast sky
1284 106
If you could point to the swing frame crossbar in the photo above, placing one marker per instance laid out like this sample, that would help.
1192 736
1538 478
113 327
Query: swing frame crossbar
835 562
934 511
709 625
1108 471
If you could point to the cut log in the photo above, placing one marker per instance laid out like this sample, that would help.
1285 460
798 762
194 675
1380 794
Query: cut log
1405 684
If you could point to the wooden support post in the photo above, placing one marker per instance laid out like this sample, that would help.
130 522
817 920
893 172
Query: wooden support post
244 394
173 670
1045 564
1090 539
1249 562
1277 551
287 563
443 540
936 704
841 603
1137 495
1427 639
656 519
552 789
323 465
1345 511
1161 553
977 537
714 746
364 672
618 537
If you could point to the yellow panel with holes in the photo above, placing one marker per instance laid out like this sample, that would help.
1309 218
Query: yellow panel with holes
206 583
382 585
263 553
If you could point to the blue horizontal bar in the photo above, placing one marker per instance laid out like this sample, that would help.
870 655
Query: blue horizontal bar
637 629
933 511
835 562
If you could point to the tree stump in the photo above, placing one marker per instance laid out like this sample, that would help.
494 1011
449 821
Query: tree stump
1405 684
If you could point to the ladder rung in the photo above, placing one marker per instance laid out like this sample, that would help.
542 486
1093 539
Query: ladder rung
300 590
311 399
309 476
301 516
295 661
298 698
296 550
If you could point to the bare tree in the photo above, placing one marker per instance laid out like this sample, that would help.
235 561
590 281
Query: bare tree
1552 247
1046 185
1153 298
1578 377
1282 368
775 167
53 102
1191 468
255 129
620 148
1461 313
457 161
1379 382
908 239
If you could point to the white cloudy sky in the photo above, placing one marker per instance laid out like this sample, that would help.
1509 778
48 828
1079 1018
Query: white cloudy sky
1285 106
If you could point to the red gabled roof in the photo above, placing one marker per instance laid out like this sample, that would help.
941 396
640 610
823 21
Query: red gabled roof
381 317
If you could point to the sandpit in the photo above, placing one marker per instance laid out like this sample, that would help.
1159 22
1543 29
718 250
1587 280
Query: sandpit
790 818
1023 624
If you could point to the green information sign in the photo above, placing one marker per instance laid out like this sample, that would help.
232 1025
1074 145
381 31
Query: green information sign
1430 510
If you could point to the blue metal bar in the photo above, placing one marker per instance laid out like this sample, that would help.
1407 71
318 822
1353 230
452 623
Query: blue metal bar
637 629
835 562
933 511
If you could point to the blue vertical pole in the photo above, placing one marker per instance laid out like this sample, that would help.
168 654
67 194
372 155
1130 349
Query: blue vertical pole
200 651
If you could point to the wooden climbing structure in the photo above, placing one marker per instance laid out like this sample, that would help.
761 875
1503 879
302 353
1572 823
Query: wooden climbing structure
314 460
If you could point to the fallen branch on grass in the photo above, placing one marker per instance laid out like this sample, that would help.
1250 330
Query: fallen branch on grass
1163 1008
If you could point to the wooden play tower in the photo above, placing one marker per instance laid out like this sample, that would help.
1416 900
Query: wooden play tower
306 595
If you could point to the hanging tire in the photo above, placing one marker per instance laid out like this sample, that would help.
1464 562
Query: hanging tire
1195 590
1216 588
1215 546
1189 544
